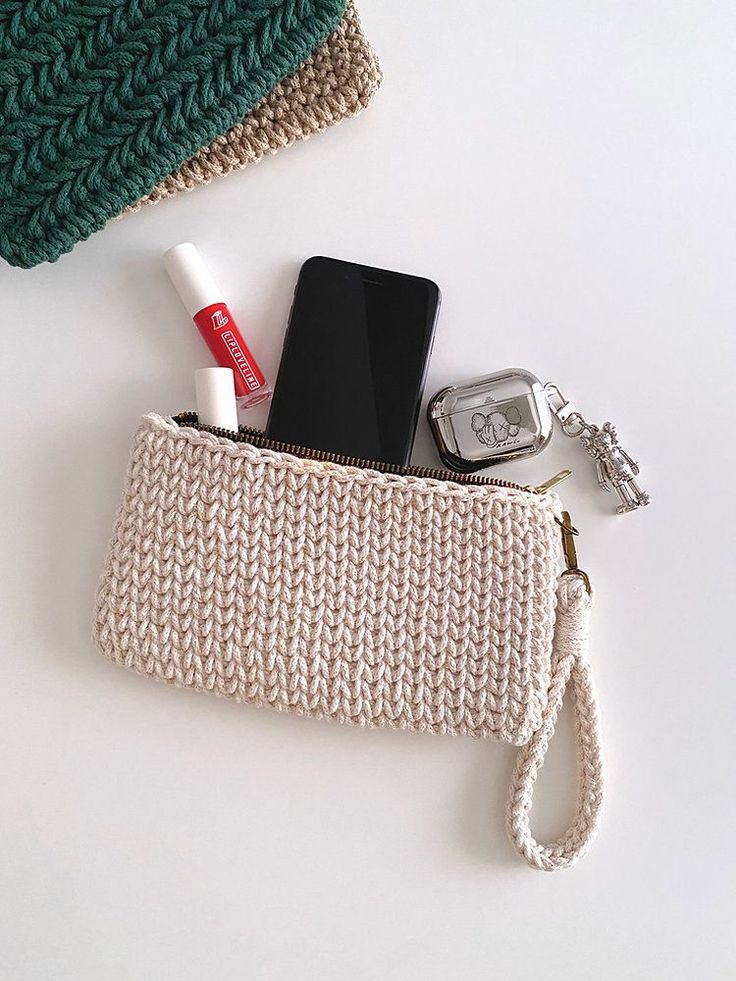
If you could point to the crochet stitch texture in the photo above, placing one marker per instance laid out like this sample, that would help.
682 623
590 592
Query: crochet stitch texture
369 598
101 100
337 81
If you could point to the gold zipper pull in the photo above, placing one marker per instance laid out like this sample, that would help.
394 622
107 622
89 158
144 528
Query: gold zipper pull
571 553
549 484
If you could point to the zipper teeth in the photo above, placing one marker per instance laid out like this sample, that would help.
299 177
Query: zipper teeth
259 439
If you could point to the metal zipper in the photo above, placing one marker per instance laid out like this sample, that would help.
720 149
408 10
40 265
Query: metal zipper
259 439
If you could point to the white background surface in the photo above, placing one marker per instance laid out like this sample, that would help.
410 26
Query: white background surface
565 173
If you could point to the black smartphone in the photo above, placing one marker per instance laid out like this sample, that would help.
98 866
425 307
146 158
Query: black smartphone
354 360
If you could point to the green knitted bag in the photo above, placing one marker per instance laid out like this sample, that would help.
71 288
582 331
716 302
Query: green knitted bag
101 99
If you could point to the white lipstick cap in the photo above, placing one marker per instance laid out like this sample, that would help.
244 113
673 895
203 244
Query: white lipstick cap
216 406
191 278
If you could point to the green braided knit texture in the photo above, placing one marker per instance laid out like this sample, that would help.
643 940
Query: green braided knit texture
101 99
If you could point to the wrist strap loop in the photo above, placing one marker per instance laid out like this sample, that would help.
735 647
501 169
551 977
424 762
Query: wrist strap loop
569 666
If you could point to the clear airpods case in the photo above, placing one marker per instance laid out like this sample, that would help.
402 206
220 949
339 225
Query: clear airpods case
494 419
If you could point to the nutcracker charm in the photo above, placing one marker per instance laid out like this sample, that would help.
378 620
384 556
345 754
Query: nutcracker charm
614 467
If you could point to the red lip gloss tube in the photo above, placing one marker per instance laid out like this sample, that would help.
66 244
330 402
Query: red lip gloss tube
202 297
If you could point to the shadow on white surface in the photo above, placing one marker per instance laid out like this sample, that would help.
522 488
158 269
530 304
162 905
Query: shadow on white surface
84 476
480 812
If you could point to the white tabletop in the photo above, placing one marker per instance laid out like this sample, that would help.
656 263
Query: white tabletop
565 173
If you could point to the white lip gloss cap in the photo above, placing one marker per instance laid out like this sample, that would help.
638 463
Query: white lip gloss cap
191 278
216 406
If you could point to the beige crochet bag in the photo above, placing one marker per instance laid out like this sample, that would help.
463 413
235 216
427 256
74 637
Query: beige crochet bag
321 586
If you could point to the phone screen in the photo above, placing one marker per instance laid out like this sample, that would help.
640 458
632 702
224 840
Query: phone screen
354 360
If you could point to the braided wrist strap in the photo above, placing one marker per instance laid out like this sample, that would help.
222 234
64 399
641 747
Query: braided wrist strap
569 665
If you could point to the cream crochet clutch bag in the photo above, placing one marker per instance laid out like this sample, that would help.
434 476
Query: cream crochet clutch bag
373 598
